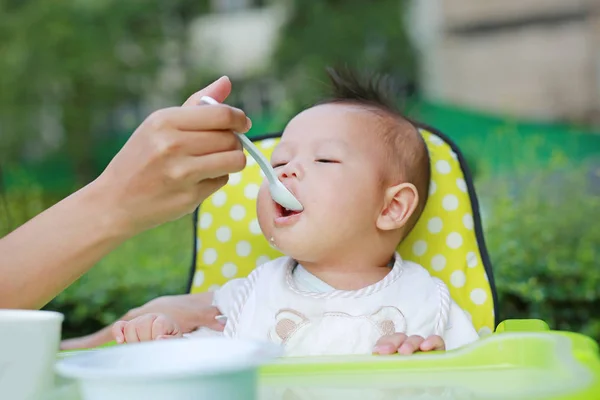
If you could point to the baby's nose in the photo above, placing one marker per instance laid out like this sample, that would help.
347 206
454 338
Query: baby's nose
291 170
287 174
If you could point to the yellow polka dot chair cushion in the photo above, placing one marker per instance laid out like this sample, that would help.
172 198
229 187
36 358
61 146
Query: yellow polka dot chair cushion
447 239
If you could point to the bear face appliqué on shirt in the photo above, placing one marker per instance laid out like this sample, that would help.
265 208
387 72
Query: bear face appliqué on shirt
334 332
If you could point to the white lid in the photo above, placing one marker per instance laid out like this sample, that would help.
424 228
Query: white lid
163 359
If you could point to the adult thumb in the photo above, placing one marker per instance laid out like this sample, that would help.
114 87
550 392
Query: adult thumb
218 90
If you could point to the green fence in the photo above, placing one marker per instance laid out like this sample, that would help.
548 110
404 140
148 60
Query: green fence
499 145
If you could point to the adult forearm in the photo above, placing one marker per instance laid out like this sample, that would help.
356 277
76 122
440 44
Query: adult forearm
48 253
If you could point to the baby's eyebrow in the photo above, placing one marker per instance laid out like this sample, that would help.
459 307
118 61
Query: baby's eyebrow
337 144
281 147
329 143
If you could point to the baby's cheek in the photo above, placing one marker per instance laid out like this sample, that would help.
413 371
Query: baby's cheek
350 209
341 201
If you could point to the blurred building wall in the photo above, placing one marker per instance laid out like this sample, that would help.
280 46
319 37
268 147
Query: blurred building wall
526 58
241 41
534 59
238 38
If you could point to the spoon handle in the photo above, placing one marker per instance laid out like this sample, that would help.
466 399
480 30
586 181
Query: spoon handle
262 162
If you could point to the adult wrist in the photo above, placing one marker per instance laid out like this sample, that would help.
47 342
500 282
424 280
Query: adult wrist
111 220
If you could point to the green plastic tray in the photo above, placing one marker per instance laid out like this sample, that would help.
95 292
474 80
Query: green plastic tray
519 365
522 360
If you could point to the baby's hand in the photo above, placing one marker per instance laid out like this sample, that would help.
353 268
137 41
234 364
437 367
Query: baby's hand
399 342
144 328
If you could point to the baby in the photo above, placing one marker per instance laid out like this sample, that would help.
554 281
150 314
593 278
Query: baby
361 171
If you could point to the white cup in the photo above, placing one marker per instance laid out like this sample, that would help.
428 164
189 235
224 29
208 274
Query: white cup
29 343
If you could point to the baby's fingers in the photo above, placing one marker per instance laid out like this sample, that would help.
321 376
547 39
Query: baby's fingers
117 330
131 331
164 326
433 343
179 335
411 345
389 344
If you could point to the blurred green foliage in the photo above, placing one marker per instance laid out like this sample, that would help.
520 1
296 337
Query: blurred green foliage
69 67
335 33
543 236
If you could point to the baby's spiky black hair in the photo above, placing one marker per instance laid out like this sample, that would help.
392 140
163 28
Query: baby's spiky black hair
350 86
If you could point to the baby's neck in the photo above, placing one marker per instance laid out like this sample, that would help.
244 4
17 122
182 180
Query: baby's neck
350 275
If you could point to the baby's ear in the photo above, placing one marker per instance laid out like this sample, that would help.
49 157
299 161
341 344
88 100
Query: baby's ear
288 322
400 202
389 320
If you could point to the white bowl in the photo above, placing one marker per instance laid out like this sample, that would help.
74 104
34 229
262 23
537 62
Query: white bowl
181 369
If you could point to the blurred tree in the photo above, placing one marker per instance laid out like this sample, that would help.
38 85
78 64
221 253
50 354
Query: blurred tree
67 67
358 34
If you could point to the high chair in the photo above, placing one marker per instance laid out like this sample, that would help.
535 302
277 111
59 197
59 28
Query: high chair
448 241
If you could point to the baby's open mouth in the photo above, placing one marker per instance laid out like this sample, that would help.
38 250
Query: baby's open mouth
284 212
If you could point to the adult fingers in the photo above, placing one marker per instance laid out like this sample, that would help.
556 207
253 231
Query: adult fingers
209 186
389 344
209 319
208 166
218 90
207 142
199 118
92 340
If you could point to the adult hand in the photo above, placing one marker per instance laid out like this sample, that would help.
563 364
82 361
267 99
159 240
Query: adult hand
175 159
188 311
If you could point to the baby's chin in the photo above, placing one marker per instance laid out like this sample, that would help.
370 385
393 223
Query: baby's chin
298 247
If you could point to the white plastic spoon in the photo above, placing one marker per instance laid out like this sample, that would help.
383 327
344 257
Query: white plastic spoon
280 194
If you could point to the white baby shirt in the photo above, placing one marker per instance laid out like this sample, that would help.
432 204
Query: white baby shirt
282 302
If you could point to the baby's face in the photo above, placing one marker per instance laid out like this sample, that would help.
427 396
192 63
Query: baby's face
330 160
